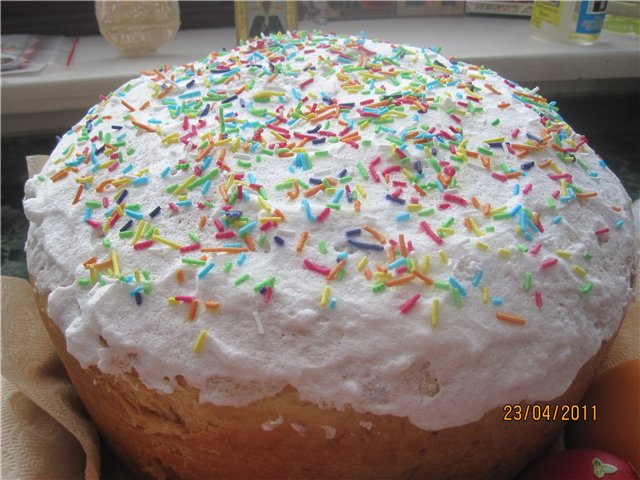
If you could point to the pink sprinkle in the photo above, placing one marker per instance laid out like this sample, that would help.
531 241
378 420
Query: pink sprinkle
374 174
114 219
267 294
527 188
396 193
185 123
142 245
455 118
398 183
227 234
449 170
218 224
409 304
391 169
427 229
323 214
305 83
401 270
602 231
105 202
449 197
113 166
352 144
499 176
539 301
185 298
266 226
343 132
561 176
549 262
443 206
93 223
190 248
452 148
314 267
556 194
400 153
535 249
515 132
173 207
510 149
239 192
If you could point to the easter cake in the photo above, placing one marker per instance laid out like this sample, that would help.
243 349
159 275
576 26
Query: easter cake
323 256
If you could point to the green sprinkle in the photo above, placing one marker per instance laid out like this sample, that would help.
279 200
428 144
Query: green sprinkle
586 288
126 234
193 261
457 300
241 280
527 281
84 282
106 243
441 285
378 287
587 256
322 247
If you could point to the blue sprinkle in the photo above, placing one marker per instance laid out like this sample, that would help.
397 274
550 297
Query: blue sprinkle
248 228
341 255
279 240
134 214
403 217
365 246
206 269
338 196
516 189
455 284
353 233
241 259
229 99
557 219
87 214
165 172
515 210
138 296
477 278
205 187
127 169
140 181
184 203
127 225
399 201
496 301
332 303
307 210
156 211
398 263
122 196
619 224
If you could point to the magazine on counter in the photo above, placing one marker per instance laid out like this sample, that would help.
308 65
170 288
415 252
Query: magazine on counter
25 53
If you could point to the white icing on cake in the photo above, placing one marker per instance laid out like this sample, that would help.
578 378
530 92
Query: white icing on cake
348 345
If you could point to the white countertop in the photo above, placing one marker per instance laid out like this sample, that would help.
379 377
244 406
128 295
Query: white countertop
53 99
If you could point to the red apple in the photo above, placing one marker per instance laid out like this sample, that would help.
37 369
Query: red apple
580 464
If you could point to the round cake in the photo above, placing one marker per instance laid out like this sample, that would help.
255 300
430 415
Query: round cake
322 256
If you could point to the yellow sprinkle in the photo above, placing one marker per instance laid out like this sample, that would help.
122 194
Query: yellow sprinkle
73 147
563 254
505 252
494 140
382 276
501 209
166 241
579 270
407 174
197 346
474 227
425 264
563 187
121 182
136 274
435 307
116 263
326 291
414 207
482 246
263 204
443 256
270 219
445 231
186 183
171 138
92 274
88 179
172 301
555 167
361 191
362 263
485 294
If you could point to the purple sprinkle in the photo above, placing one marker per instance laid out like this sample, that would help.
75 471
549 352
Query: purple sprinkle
279 240
354 232
399 201
127 226
156 211
138 298
365 246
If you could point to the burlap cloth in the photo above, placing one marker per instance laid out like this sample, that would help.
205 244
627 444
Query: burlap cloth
46 433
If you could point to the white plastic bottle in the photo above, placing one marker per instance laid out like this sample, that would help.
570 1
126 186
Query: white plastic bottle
568 21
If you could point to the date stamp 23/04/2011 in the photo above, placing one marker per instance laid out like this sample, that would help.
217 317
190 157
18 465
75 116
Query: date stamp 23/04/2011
550 413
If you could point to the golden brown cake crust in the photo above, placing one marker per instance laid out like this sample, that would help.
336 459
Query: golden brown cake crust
176 436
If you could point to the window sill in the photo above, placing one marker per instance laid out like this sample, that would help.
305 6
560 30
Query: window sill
58 96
